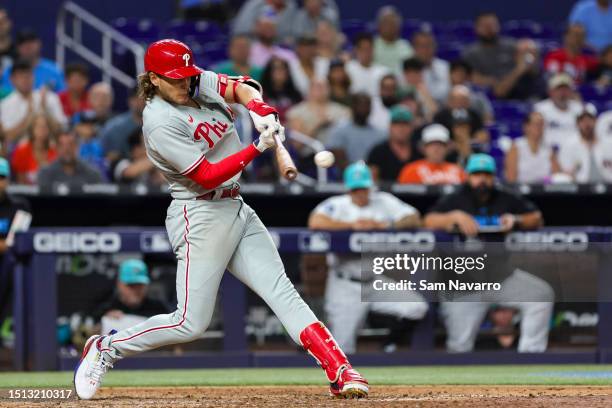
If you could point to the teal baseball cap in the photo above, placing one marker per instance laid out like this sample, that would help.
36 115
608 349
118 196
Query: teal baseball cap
134 271
481 163
5 168
401 114
358 175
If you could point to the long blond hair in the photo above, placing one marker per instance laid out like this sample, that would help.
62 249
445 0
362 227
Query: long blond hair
146 89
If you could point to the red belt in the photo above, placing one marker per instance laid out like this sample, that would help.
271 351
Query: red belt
226 193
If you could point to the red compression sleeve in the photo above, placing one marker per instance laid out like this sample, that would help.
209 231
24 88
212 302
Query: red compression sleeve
211 175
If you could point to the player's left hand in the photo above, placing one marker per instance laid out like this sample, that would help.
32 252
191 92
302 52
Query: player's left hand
266 138
263 115
508 221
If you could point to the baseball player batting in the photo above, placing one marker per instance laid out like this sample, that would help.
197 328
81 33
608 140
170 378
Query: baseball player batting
189 135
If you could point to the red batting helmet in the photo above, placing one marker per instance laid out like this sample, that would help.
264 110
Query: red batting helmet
170 58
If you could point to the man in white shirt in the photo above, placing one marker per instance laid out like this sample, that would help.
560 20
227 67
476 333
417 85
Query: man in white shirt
587 157
20 107
363 208
390 50
603 127
436 72
559 110
365 74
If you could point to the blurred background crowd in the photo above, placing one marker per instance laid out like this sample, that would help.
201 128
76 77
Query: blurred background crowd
535 96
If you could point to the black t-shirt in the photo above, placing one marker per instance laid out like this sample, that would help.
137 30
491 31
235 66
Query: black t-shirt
388 164
8 207
149 307
501 202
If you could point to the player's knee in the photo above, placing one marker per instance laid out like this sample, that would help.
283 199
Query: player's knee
414 310
192 329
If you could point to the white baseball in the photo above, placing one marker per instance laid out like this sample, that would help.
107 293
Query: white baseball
324 159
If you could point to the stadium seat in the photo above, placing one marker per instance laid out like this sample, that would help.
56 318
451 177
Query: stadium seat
203 30
141 30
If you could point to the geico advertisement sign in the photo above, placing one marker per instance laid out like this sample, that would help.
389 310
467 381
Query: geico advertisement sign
87 242
559 241
421 241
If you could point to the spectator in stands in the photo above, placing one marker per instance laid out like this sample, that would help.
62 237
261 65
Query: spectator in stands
380 117
559 110
283 11
530 159
433 169
278 86
478 205
339 83
329 41
308 66
34 152
491 57
68 168
114 134
466 126
101 101
8 53
363 208
436 72
265 47
46 72
588 157
596 17
603 74
387 158
460 74
407 97
86 129
414 78
390 49
137 168
365 74
603 127
311 14
525 81
238 63
353 141
131 300
571 58
17 110
9 206
317 114
75 97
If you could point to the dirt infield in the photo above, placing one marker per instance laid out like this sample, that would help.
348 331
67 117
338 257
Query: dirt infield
309 396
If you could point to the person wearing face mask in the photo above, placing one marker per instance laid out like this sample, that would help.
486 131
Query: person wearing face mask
492 57
479 206
352 141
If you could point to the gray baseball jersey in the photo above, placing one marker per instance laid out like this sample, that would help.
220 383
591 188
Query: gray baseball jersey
178 138
207 236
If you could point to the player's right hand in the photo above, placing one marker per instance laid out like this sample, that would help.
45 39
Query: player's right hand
465 222
266 138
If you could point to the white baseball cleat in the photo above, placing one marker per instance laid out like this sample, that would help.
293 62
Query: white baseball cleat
91 369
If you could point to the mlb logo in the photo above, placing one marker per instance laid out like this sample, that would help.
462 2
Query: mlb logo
314 241
154 242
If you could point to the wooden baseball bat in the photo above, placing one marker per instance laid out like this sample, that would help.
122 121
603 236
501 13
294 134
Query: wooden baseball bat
283 159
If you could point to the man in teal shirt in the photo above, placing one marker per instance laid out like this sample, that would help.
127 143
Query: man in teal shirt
238 64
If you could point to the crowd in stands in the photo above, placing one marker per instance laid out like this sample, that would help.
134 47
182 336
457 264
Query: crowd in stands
387 91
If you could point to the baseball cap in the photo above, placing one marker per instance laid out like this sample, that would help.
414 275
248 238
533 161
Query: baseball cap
480 163
560 79
358 175
5 169
435 133
588 109
134 271
402 114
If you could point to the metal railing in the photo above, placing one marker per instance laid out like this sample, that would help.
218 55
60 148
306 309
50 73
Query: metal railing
72 13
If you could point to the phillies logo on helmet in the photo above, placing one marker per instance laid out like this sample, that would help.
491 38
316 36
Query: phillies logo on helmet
172 59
